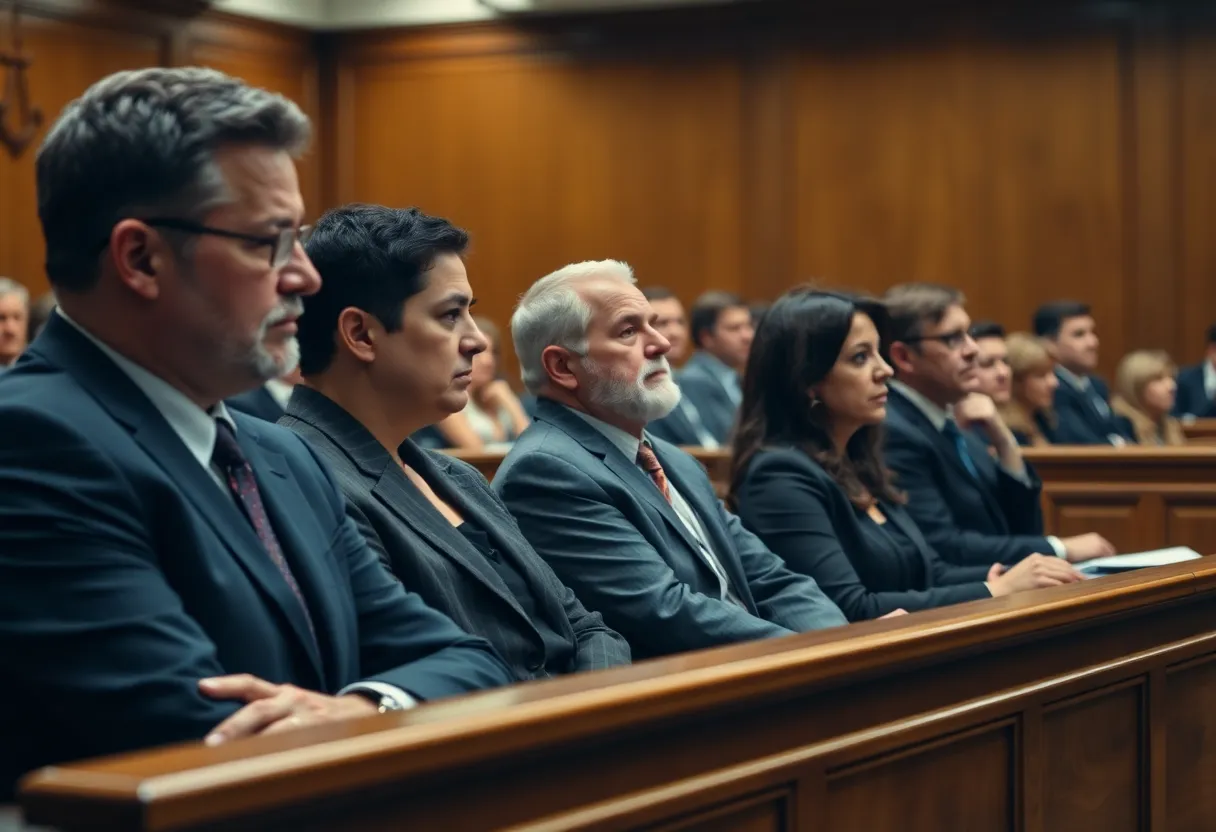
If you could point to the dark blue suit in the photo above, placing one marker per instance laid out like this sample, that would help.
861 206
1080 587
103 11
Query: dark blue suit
127 574
1193 399
968 523
1085 418
257 402
609 534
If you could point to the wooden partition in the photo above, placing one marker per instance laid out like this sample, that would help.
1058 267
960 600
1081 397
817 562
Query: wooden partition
1201 432
1139 498
1074 708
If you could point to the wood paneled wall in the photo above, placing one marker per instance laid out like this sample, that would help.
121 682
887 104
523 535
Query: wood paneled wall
76 43
1020 153
1021 156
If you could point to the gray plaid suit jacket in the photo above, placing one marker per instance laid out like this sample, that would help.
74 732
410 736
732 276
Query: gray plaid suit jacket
434 560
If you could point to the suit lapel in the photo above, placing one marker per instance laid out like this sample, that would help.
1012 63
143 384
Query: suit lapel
454 485
897 518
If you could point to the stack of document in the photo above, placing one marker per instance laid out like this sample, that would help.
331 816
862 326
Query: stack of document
1137 560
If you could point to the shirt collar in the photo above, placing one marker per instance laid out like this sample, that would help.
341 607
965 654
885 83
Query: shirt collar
193 425
1209 378
936 415
280 391
623 441
1078 382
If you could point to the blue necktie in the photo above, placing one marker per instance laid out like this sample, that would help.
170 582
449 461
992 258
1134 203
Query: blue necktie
960 444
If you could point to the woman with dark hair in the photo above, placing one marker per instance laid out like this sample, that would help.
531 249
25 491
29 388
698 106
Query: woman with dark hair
808 476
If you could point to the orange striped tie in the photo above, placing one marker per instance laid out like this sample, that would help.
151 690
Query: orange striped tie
650 464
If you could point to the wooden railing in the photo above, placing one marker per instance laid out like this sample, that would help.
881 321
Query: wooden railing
1138 497
1201 432
1075 708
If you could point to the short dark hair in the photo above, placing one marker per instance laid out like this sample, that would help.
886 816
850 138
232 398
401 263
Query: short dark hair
705 311
796 345
912 306
1050 317
373 258
141 143
1212 334
986 329
658 293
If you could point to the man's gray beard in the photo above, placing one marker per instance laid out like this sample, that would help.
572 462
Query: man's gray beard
260 362
631 399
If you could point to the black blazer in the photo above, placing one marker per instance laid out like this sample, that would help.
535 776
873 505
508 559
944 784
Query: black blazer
127 574
257 402
1192 399
969 523
434 559
803 516
1080 419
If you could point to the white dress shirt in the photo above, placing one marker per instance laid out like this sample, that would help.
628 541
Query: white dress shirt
628 445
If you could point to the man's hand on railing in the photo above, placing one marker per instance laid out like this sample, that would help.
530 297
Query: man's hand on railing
273 708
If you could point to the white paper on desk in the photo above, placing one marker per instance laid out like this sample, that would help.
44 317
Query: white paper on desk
1140 560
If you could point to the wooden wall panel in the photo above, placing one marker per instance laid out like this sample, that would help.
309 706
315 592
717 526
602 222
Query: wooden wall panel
1191 800
1197 151
992 166
553 161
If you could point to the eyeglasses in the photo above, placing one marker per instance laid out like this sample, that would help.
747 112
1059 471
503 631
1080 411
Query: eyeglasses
950 340
281 244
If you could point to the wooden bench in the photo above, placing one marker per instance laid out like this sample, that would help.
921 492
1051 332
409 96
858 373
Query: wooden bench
1075 708
1201 432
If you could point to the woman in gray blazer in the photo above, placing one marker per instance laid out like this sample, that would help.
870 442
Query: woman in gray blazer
386 349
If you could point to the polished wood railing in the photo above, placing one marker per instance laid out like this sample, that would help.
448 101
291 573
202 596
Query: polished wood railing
1200 432
1080 707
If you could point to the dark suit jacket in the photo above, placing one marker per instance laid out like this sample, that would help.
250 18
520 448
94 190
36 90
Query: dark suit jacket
607 531
435 560
700 385
805 518
676 427
1080 420
1192 399
998 519
127 574
257 402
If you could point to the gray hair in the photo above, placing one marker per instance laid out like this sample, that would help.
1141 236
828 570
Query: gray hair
142 142
8 286
553 313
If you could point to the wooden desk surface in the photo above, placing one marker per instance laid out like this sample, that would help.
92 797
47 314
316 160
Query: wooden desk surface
1056 704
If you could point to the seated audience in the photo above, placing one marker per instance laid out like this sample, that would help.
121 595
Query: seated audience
1196 397
722 333
992 361
973 506
1082 400
266 401
493 417
1030 411
808 475
684 425
169 570
387 346
630 522
40 313
14 313
1145 381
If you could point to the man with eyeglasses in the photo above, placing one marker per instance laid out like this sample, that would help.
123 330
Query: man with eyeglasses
170 570
973 505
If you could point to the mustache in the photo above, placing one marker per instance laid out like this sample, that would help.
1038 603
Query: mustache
653 366
292 307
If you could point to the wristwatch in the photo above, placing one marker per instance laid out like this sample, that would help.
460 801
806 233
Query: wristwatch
383 702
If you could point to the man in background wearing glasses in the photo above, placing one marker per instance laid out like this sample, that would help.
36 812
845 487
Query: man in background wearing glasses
169 570
974 507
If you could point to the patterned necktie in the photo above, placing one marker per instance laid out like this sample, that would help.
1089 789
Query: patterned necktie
649 463
960 444
227 456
